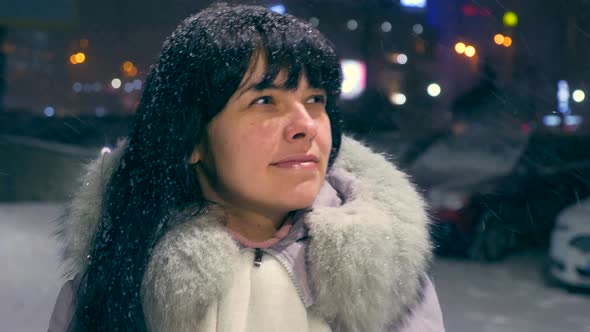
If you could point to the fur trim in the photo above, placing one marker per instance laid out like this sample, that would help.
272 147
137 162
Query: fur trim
189 268
366 257
78 227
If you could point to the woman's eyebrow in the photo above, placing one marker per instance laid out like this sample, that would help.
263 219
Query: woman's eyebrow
260 86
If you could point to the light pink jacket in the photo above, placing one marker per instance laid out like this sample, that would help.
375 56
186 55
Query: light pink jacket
366 207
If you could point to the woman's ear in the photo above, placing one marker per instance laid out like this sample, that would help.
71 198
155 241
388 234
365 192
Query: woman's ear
195 157
200 151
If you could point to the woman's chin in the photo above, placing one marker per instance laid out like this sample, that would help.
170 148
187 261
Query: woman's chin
299 201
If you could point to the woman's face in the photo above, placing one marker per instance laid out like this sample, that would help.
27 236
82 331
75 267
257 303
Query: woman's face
268 150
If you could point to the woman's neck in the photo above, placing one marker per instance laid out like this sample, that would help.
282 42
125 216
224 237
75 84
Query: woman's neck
254 226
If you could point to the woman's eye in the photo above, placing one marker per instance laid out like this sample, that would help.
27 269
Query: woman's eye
264 100
316 99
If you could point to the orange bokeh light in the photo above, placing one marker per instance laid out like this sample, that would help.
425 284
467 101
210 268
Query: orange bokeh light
470 51
499 39
127 66
80 57
460 48
131 72
507 41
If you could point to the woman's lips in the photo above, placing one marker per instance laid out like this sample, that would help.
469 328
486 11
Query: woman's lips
302 161
303 165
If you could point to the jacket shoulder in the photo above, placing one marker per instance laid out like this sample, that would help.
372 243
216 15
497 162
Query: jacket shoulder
63 311
427 315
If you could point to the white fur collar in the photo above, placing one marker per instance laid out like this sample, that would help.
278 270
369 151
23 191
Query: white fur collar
367 258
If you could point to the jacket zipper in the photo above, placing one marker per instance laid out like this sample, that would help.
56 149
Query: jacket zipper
258 253
258 257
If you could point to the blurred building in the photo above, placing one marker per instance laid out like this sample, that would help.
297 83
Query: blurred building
523 49
97 66
403 68
389 54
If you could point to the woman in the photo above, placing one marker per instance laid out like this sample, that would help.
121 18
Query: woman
236 204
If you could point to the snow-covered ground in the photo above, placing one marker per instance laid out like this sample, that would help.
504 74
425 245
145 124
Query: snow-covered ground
505 297
30 275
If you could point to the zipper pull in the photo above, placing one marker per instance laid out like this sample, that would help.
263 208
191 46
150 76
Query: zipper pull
303 238
258 257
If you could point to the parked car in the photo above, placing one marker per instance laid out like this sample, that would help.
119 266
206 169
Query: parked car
569 251
484 217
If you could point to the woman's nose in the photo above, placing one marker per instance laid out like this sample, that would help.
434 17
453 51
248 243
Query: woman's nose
302 126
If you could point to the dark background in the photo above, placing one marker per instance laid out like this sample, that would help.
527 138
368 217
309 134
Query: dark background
495 154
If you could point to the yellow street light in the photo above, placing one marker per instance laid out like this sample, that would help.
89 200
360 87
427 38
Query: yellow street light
499 39
80 57
510 19
460 48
